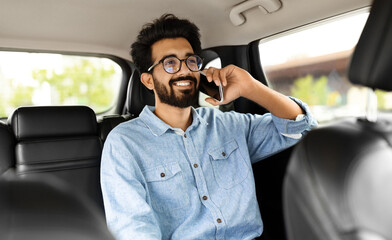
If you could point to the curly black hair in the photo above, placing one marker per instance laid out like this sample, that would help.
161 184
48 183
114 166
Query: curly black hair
167 26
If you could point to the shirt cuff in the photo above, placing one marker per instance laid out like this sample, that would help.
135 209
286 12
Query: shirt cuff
295 128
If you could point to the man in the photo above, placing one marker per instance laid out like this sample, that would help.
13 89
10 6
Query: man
176 172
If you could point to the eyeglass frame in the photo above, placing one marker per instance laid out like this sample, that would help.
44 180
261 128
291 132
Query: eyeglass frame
181 60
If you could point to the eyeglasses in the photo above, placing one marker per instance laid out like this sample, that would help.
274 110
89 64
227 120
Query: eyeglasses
172 64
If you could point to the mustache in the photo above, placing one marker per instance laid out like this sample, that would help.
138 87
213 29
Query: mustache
189 78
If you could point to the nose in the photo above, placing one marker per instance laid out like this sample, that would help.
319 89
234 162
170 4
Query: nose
184 70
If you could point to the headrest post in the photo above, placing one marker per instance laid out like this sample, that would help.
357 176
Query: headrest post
371 106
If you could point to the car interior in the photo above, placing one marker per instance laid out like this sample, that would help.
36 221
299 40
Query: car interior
332 185
338 180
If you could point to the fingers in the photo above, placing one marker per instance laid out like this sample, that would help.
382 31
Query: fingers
210 74
212 101
222 77
214 74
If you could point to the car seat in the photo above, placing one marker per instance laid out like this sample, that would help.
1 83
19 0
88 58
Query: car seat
339 180
39 210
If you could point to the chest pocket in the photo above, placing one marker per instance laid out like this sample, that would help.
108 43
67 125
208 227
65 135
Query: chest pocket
228 165
166 187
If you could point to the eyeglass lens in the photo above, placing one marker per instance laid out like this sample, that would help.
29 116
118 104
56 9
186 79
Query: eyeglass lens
173 64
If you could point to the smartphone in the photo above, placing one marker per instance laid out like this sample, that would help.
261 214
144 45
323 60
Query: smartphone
210 88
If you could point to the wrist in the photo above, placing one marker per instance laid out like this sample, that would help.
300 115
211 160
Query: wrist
253 89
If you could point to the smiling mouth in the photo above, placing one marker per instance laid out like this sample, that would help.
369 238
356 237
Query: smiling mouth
182 83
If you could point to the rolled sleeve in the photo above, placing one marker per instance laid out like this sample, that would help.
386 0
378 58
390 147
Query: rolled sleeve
270 134
301 126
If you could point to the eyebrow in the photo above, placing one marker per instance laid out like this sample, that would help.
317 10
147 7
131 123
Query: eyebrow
174 55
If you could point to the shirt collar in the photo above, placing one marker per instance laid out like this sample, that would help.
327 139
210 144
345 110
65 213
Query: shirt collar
158 127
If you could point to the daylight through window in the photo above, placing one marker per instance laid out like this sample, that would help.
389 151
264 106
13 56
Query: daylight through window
30 79
312 64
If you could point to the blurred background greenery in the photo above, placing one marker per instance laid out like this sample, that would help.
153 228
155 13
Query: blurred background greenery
86 81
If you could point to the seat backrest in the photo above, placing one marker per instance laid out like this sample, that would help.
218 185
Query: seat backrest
339 180
62 142
138 96
38 210
107 123
7 153
338 184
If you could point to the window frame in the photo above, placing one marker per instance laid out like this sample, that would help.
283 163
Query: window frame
125 65
254 53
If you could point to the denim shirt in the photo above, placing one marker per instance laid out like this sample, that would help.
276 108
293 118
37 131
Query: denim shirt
159 182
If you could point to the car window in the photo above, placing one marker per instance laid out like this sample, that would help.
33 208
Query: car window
311 63
30 79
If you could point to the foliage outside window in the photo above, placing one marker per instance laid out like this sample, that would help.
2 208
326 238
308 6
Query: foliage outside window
312 63
29 79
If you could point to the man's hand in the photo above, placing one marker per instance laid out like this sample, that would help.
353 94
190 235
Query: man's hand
237 83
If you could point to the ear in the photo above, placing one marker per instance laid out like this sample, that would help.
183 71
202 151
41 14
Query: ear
147 80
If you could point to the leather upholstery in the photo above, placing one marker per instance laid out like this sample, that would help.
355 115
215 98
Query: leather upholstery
46 122
107 123
7 144
39 210
372 58
338 184
138 96
62 142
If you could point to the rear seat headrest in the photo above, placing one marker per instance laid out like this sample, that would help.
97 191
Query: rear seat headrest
371 64
138 95
53 121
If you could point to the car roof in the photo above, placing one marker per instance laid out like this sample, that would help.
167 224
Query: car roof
110 26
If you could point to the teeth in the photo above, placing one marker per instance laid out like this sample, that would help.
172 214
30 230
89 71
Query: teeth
183 83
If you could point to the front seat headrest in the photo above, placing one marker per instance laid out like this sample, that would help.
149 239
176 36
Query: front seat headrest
371 62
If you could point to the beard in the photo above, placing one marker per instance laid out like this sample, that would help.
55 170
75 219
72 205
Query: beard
180 98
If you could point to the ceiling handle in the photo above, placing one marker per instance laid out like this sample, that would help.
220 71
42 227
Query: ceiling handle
267 6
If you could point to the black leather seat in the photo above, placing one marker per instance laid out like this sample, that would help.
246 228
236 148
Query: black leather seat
7 145
138 96
39 210
60 142
339 180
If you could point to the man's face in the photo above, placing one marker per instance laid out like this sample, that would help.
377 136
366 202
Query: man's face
179 89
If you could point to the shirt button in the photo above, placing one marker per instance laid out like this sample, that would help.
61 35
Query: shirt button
223 154
162 174
195 165
205 198
184 135
219 220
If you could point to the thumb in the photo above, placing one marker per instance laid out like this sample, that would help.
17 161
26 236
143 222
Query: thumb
212 101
